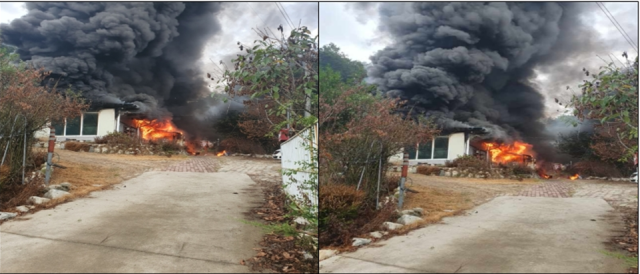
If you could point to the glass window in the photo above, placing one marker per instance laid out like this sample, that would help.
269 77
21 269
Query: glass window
90 124
425 151
412 152
59 127
441 148
73 126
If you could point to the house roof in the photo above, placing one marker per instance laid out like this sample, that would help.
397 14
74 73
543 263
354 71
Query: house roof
121 106
470 130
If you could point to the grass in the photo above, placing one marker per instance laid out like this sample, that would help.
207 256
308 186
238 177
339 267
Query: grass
283 229
630 261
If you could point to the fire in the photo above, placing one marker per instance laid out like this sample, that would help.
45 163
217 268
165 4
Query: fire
154 129
575 176
221 153
504 153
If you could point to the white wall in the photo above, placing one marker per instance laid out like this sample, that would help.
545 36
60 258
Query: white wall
294 151
106 121
456 146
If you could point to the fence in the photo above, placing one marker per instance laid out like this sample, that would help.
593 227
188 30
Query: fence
13 141
296 152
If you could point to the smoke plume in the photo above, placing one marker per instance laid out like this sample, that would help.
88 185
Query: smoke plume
142 52
469 64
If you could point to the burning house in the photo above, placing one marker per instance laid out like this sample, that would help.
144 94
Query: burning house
136 62
469 65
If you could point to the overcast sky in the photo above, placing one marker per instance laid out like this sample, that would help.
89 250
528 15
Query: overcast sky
355 31
236 21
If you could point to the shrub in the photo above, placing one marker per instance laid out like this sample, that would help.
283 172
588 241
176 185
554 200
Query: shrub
117 138
518 169
429 170
77 146
339 200
469 161
338 232
171 146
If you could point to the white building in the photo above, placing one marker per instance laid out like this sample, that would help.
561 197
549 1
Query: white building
97 121
451 144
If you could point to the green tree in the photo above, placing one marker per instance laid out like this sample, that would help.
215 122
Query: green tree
611 98
351 71
282 69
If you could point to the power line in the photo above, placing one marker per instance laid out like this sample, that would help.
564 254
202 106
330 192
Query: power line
287 14
605 7
621 32
285 18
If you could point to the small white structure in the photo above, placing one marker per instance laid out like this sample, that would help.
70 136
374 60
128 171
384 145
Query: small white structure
99 120
294 152
451 144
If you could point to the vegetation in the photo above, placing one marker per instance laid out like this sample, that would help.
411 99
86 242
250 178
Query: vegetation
26 107
359 131
611 99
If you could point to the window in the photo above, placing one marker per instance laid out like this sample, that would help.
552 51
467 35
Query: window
90 124
424 152
87 124
73 126
412 152
441 148
59 127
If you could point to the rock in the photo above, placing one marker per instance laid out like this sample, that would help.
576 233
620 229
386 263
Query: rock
31 207
7 215
307 256
360 241
301 221
55 193
327 253
37 200
22 209
470 175
408 219
66 185
120 151
376 234
419 210
455 173
391 226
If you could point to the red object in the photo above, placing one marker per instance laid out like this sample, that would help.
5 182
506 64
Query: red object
405 165
52 140
282 136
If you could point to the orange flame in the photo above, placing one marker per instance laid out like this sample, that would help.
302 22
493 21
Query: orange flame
503 153
575 176
221 153
154 129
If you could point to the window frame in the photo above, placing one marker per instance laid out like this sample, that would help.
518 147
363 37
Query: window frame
64 126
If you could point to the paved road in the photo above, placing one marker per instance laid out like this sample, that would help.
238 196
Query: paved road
506 235
162 221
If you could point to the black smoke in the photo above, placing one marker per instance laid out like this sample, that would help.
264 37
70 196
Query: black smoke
470 64
142 52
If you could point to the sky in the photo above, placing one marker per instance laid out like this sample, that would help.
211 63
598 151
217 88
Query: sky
355 31
236 21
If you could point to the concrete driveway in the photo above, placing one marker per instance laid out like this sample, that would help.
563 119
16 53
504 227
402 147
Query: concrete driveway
157 222
506 235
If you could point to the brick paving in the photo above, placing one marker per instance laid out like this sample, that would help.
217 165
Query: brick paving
616 194
555 189
195 164
262 168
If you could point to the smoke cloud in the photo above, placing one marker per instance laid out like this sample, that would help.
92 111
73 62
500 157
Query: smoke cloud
142 52
470 64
